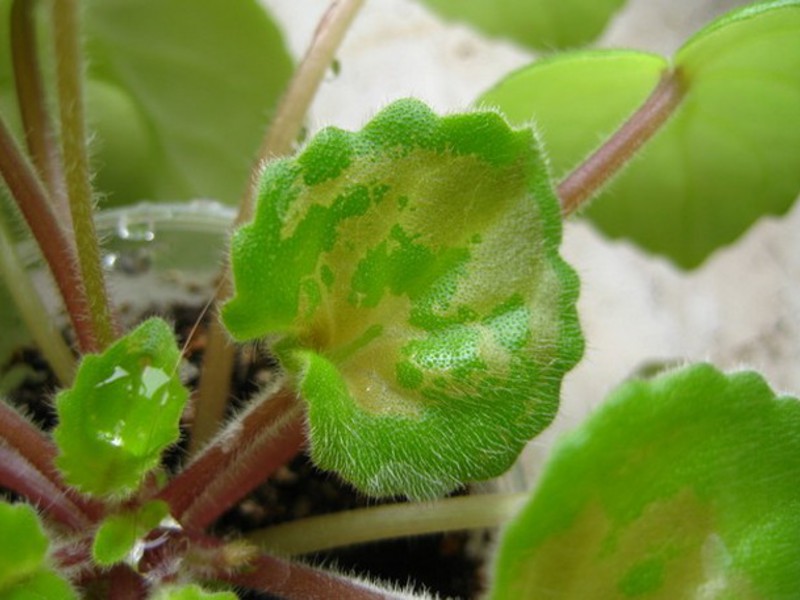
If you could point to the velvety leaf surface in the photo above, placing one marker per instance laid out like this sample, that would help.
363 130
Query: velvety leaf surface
729 155
543 24
684 486
23 569
180 92
411 275
121 413
119 533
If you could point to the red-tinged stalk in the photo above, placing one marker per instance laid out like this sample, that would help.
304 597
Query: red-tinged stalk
24 438
375 523
75 153
40 136
588 179
285 128
56 247
20 476
125 584
256 430
294 581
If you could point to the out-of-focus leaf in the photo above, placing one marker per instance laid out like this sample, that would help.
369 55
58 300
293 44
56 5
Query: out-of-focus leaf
543 24
683 486
729 155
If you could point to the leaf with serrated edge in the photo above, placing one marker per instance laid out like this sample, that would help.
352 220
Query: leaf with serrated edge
411 272
121 413
729 155
542 24
683 486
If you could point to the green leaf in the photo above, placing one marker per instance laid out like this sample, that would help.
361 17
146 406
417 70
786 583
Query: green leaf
23 571
190 592
729 155
684 486
543 24
18 561
119 534
121 413
411 274
180 92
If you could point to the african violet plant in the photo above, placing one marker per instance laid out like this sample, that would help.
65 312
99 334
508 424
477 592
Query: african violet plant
408 278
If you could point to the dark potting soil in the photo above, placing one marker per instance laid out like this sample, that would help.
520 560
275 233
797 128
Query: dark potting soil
449 565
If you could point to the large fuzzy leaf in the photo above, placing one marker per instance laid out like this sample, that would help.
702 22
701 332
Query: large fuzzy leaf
680 487
411 272
729 155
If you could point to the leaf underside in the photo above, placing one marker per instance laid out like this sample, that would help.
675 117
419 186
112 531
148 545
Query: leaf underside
684 486
729 155
410 275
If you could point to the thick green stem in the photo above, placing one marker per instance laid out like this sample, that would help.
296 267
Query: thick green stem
215 378
31 198
40 136
76 167
389 521
588 179
33 312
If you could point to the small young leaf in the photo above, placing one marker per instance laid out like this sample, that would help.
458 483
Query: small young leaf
542 24
729 155
23 571
412 272
119 533
190 592
121 413
684 486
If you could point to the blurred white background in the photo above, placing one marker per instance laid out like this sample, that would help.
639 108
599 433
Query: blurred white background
740 309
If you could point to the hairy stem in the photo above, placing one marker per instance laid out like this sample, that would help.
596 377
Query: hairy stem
19 475
294 581
31 198
76 167
40 136
286 125
591 175
375 523
33 312
266 429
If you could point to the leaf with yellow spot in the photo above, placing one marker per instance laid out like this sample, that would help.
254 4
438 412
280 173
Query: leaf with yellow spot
410 276
684 486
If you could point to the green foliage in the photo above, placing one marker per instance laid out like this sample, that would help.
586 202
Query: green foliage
121 413
678 487
119 533
543 24
23 566
179 91
190 592
412 273
729 155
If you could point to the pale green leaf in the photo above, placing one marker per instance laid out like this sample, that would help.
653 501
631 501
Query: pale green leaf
411 272
543 24
683 486
190 592
729 155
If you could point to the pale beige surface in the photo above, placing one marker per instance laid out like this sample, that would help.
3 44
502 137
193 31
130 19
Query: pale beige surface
742 308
